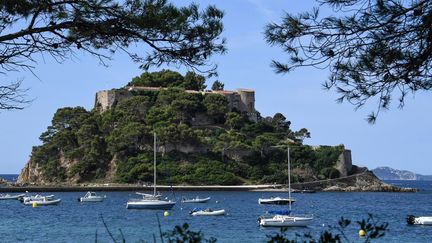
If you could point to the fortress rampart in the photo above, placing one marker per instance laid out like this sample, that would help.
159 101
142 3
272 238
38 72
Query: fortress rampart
242 100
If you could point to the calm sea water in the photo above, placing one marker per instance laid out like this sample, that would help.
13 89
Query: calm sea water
72 221
9 177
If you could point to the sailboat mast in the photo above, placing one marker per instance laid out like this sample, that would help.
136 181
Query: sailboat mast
289 177
154 164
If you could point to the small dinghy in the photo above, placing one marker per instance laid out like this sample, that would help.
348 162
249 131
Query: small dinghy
195 200
91 197
424 220
44 201
207 212
11 197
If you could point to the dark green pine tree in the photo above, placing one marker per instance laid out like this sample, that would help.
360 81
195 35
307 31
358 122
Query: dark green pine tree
167 34
374 49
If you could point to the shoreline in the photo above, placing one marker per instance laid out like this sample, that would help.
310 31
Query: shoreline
252 188
361 182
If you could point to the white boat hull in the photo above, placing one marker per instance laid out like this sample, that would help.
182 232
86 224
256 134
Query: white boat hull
11 197
43 203
209 213
92 199
276 200
196 200
150 204
35 198
425 220
285 221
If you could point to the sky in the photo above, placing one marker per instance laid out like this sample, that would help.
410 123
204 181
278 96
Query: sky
400 138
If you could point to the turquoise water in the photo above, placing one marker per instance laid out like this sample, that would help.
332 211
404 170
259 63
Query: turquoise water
72 221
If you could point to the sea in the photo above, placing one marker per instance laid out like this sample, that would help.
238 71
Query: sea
110 221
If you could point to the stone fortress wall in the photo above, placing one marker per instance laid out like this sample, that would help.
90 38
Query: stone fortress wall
242 100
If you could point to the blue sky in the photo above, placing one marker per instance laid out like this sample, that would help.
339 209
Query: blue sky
400 138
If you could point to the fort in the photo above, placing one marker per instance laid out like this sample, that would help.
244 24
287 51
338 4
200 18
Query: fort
242 100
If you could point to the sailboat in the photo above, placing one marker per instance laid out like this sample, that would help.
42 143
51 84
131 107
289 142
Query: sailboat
151 201
279 200
285 218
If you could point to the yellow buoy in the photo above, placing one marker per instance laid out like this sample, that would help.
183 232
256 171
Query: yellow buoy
362 233
34 204
166 213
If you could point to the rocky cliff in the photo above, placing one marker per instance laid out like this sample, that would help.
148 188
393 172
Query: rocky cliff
365 181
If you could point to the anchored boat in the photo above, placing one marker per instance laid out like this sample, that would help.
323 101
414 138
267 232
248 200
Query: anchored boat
11 197
195 200
276 200
285 218
423 220
91 197
42 201
207 212
151 201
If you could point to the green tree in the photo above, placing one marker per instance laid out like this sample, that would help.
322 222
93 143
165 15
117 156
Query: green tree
264 142
230 140
65 120
170 35
193 81
129 139
234 120
217 106
373 49
302 134
133 109
281 124
217 85
164 78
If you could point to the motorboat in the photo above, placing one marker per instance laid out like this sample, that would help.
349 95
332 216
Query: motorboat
195 200
303 191
35 197
285 218
207 212
11 197
422 220
281 220
42 201
276 200
151 201
91 197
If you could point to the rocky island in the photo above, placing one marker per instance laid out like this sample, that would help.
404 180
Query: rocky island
206 137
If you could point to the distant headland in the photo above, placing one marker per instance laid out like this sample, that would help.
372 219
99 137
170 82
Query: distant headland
388 173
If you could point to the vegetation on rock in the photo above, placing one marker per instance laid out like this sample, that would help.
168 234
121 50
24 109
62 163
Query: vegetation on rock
83 145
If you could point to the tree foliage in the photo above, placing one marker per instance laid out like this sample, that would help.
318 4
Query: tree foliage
217 85
336 233
166 34
374 49
168 78
201 140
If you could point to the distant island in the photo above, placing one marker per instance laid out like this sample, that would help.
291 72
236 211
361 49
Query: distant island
205 137
388 173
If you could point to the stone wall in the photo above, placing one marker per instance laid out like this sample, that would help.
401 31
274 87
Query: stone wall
242 100
247 103
344 163
106 99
